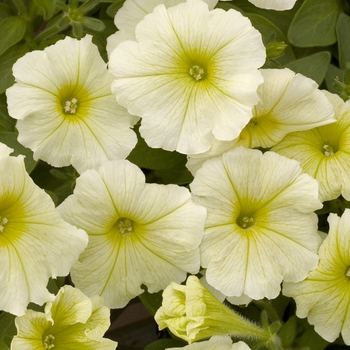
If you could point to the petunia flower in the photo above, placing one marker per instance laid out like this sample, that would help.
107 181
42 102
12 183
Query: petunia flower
261 227
216 342
192 313
278 5
324 296
35 242
289 102
71 321
324 152
192 75
132 12
138 233
65 110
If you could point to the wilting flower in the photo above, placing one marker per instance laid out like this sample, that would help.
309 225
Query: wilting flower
261 227
138 233
65 110
216 342
324 152
35 242
192 313
190 83
324 296
132 12
71 321
288 102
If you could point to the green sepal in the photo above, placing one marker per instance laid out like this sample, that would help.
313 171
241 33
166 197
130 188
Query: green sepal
94 24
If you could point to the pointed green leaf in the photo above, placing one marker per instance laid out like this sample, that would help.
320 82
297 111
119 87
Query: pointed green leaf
155 158
6 62
48 7
7 330
288 332
343 35
5 11
315 22
152 302
314 66
10 139
12 30
6 122
333 72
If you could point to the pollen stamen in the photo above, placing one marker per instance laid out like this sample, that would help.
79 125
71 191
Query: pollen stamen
328 150
196 72
48 342
71 106
3 222
247 221
124 225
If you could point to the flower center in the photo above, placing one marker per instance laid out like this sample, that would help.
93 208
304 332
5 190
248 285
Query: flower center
348 272
71 106
196 72
3 222
328 150
124 225
246 221
48 342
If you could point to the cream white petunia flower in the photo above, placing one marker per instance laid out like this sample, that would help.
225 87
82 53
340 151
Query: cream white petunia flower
216 342
192 76
138 233
72 321
191 312
35 242
288 102
324 152
261 227
132 12
65 110
324 296
278 5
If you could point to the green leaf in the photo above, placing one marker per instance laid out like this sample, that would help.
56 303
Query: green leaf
312 340
281 19
343 35
12 30
155 158
152 302
113 8
48 7
6 122
315 22
288 332
6 62
331 74
7 330
5 11
270 33
313 66
10 139
162 344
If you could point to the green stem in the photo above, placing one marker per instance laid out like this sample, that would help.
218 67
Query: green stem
267 306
